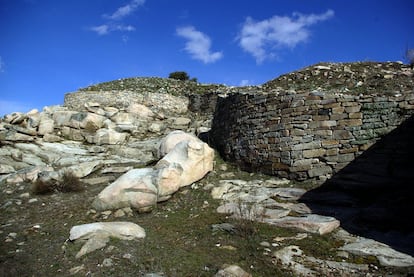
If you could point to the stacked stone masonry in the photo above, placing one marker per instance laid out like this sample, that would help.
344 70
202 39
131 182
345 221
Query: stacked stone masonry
303 135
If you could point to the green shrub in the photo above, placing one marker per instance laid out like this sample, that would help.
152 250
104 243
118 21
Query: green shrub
179 75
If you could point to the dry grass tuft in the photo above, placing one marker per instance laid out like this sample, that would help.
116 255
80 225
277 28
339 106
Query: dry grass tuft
69 183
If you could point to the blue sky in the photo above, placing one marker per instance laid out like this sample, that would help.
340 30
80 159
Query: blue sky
51 47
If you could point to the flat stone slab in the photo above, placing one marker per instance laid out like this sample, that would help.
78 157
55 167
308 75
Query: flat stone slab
312 223
385 254
97 234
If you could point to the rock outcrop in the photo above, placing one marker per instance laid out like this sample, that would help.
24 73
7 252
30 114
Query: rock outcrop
186 160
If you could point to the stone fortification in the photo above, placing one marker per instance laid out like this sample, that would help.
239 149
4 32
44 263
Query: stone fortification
305 124
303 135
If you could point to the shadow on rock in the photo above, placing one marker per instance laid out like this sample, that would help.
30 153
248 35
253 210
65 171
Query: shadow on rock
373 196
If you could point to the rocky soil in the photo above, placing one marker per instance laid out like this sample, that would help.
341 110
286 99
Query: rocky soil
389 78
229 222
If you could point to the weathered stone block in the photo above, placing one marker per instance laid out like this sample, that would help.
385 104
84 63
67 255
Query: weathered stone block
345 157
323 133
356 115
304 162
330 143
297 132
319 171
350 122
313 153
338 110
352 109
309 145
342 134
332 152
349 150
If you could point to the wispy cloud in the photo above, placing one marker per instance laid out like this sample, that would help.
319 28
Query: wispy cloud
113 21
105 29
126 10
198 45
259 38
2 65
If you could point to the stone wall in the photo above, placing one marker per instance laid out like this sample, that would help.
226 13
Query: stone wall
303 135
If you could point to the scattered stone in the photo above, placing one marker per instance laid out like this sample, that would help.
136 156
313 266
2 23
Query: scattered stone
265 244
119 213
108 262
77 269
232 271
329 268
299 236
226 227
97 234
24 195
286 256
127 256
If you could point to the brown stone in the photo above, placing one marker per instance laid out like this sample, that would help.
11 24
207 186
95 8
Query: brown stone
349 150
332 152
350 122
342 134
330 143
338 110
355 115
352 109
313 153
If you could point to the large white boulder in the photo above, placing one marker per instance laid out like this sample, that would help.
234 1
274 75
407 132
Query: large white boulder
135 189
187 162
194 157
172 139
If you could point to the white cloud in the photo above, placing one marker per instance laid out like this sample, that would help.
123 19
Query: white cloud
101 29
126 10
105 29
113 23
198 45
259 37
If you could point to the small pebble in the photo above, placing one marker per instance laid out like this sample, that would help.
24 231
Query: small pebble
107 262
24 195
34 200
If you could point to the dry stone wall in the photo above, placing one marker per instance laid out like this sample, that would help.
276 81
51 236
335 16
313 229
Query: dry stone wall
303 135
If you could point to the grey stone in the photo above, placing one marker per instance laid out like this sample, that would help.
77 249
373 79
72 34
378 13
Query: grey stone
310 223
97 234
385 254
232 271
